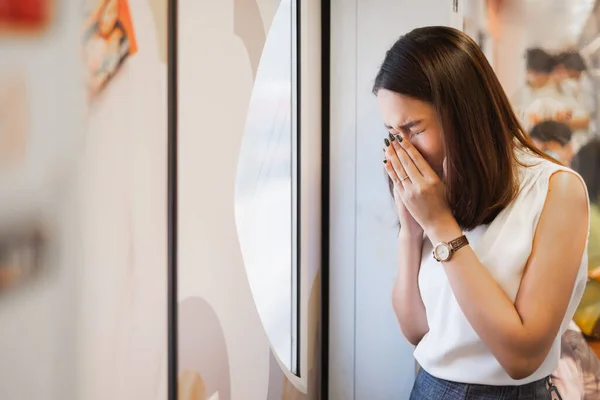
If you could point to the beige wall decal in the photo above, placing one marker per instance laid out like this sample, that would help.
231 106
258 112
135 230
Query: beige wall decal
190 386
202 347
268 8
276 378
248 26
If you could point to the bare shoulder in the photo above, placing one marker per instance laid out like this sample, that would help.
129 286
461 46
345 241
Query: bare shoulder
566 189
566 208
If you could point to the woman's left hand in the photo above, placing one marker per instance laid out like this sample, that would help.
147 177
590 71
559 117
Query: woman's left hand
421 189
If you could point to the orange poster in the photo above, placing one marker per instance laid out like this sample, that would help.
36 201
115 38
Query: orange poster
108 40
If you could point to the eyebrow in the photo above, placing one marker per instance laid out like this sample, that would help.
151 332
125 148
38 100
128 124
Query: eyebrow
405 126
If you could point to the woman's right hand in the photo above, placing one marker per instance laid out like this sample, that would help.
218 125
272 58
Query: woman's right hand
408 225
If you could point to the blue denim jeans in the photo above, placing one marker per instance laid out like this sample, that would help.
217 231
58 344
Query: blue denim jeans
428 387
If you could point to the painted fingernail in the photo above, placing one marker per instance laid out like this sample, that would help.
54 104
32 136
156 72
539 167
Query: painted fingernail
399 139
387 142
385 161
392 138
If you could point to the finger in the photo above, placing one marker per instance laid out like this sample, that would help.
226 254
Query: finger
395 175
389 169
420 163
393 159
407 164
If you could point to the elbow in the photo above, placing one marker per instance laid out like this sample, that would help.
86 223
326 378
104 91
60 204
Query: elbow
518 373
522 366
523 355
413 325
411 331
413 338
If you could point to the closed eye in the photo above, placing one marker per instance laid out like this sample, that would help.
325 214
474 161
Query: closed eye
413 134
410 135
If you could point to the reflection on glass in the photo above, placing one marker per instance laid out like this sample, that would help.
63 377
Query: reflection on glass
265 203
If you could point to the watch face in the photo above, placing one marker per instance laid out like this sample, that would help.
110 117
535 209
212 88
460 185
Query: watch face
442 252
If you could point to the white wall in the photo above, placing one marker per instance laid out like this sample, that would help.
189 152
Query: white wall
37 318
93 326
369 358
122 218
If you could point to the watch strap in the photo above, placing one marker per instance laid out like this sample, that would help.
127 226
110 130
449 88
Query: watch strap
458 243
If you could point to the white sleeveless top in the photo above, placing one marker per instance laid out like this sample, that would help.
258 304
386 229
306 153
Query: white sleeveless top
451 349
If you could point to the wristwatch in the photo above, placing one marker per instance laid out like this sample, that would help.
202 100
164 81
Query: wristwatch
443 251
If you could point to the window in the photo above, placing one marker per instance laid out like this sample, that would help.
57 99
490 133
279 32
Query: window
266 205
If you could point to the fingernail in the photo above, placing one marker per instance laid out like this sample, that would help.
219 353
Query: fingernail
385 161
392 138
399 139
387 142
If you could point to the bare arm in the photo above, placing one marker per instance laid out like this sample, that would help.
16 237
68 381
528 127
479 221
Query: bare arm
579 123
406 298
520 335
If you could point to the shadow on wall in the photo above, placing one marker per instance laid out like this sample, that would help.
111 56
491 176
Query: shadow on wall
203 359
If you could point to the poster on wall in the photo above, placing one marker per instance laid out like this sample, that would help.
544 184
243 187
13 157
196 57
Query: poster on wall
108 40
24 16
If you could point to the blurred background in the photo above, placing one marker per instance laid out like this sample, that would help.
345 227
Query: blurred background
286 232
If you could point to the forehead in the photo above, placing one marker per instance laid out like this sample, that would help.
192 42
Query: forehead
397 109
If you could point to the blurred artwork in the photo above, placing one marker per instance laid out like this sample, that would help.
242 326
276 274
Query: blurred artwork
109 39
23 248
24 16
545 109
13 120
578 372
23 239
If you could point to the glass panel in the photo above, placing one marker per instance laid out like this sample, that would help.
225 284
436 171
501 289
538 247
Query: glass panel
265 196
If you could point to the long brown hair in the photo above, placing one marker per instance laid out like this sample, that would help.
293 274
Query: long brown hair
445 67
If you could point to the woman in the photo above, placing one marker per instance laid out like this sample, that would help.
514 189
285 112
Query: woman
486 304
540 97
569 73
554 139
